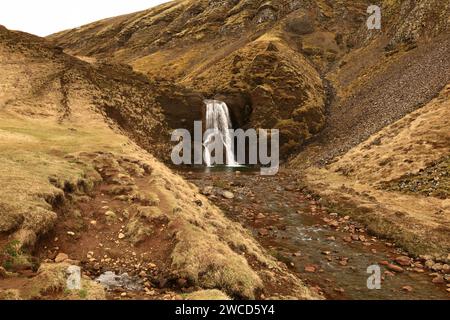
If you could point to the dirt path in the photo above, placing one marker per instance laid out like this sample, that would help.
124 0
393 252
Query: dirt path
329 251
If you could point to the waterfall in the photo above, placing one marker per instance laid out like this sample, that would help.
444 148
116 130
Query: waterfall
218 119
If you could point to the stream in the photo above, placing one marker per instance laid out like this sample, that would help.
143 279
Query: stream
329 252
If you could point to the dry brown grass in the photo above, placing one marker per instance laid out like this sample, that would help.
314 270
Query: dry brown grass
44 161
420 224
406 146
207 295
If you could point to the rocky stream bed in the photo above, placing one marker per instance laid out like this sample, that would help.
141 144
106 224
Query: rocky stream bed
324 248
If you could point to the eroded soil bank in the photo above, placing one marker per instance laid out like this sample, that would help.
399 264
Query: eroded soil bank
323 247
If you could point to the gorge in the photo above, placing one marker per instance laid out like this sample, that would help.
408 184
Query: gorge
90 177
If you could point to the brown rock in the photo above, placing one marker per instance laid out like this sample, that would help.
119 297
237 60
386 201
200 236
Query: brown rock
228 195
61 257
438 280
343 262
446 268
403 260
429 263
260 216
263 232
394 268
333 223
310 268
407 288
437 267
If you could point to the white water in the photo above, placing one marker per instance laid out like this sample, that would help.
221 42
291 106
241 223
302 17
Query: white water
218 119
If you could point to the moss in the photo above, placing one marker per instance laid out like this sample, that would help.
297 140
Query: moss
13 258
50 280
209 263
83 294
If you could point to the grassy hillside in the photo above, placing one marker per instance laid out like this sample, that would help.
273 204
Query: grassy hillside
78 189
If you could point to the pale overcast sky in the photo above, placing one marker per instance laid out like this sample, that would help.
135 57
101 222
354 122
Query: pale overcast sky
44 17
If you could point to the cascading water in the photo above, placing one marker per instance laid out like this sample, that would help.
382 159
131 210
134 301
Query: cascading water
219 122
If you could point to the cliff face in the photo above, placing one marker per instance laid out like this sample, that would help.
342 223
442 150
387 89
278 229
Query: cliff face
267 59
238 51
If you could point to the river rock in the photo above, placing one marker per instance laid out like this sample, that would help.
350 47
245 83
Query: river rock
334 214
437 267
61 257
310 269
394 268
429 263
407 288
290 188
403 261
260 216
228 195
438 280
207 191
263 232
110 214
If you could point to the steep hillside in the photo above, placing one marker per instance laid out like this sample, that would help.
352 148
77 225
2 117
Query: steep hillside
385 76
78 190
396 182
248 53
278 63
